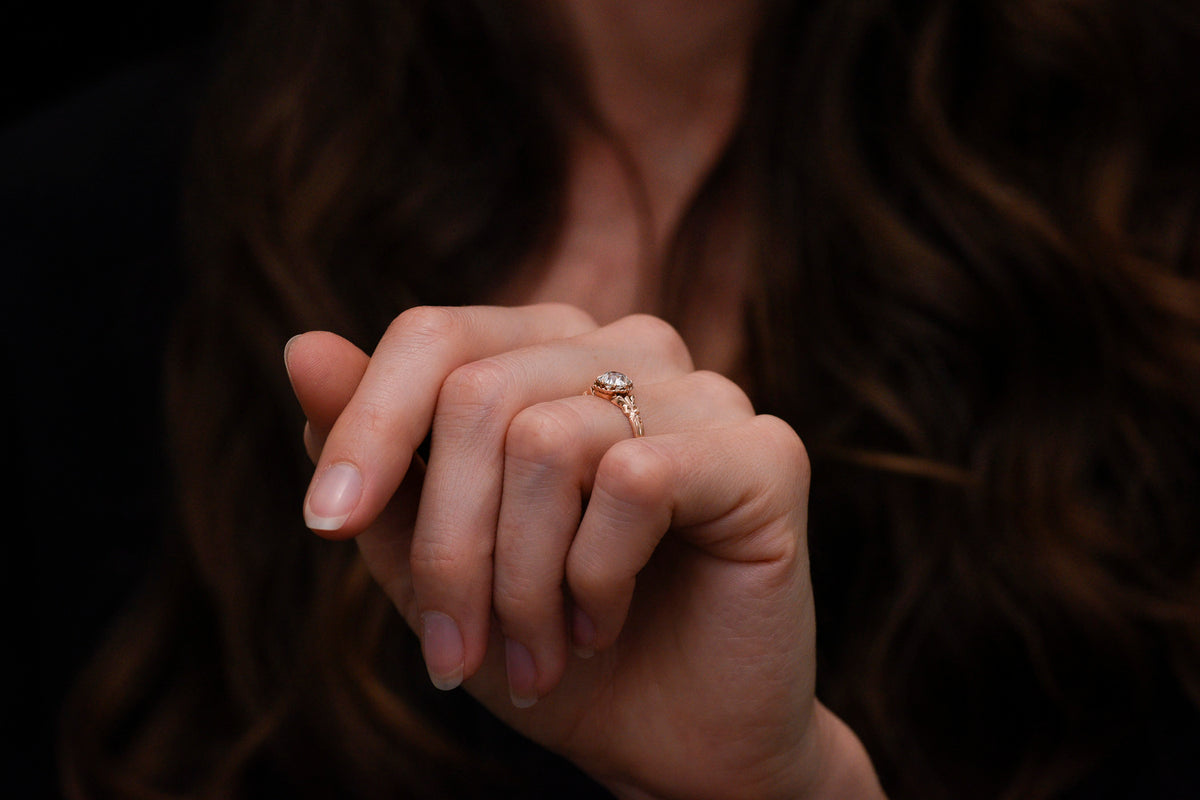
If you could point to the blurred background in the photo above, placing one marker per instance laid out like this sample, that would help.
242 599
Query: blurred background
95 104
50 50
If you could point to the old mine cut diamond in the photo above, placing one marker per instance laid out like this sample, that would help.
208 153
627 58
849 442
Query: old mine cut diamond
614 382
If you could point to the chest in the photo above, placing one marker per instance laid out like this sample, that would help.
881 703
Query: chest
611 259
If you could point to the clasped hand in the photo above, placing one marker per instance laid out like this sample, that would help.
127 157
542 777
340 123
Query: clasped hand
641 605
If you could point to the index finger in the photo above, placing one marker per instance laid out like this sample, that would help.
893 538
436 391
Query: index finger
370 447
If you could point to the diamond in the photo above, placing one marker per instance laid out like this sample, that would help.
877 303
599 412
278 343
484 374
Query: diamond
616 382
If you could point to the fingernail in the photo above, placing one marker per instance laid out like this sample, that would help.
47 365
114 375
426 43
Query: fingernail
333 497
522 674
583 634
442 645
287 364
287 348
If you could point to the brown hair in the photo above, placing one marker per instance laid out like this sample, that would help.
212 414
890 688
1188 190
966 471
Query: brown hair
975 297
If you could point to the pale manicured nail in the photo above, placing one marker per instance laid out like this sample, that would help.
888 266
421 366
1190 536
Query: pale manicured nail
583 634
286 349
333 497
522 674
442 644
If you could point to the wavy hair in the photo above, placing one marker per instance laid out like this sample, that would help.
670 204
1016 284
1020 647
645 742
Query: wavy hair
974 294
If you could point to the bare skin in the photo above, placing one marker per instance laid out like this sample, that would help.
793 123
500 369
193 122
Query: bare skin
678 662
670 95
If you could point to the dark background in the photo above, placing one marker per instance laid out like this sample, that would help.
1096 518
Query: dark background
95 106
50 50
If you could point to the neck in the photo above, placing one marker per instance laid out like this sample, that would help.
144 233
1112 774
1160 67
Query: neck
667 80
632 47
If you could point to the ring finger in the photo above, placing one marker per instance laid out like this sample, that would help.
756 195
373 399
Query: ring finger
551 453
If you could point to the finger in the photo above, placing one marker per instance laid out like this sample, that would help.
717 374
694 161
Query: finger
551 453
329 369
385 546
738 494
455 535
370 446
324 370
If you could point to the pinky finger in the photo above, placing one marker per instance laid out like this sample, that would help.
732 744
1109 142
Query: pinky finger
627 515
737 494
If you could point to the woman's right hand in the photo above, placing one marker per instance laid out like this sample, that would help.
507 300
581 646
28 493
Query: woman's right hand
701 685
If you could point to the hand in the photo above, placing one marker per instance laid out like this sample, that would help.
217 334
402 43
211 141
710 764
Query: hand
687 601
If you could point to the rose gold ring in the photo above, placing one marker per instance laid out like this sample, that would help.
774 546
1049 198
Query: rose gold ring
616 388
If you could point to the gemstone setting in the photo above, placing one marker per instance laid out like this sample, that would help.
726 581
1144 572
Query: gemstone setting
614 383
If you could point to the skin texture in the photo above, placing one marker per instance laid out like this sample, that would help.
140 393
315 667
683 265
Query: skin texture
639 605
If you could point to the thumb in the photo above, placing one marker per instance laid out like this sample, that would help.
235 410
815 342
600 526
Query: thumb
324 370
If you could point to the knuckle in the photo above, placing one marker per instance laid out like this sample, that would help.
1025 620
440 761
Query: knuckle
726 397
370 418
426 325
513 600
541 435
479 387
634 473
661 337
573 318
588 573
600 584
448 568
434 563
785 446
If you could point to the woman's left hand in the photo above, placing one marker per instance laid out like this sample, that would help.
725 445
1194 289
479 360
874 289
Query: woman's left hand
640 605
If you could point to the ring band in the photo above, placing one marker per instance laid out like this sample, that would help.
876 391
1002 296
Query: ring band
617 388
